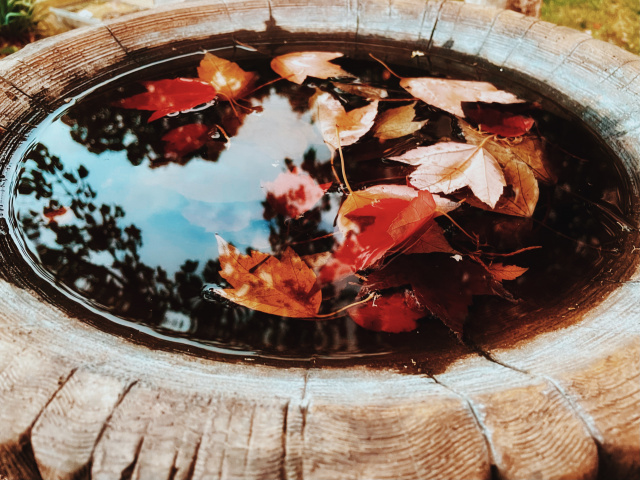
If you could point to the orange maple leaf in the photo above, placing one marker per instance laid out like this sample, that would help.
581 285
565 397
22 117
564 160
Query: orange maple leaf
226 77
285 287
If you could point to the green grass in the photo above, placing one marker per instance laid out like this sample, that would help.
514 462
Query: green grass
615 21
16 18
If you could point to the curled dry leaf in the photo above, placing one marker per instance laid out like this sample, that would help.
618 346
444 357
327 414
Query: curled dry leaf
293 193
392 313
449 166
285 287
297 66
397 122
448 95
170 96
351 126
185 139
226 77
529 150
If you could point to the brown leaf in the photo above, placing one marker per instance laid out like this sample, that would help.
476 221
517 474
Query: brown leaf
227 77
364 91
448 95
529 150
502 272
397 122
351 126
285 287
449 166
297 66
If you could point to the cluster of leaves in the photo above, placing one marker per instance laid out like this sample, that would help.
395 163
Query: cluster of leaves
389 236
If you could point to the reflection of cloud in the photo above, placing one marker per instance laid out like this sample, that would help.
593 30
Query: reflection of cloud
240 223
256 155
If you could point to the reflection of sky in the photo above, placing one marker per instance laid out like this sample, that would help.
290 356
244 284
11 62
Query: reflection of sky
180 208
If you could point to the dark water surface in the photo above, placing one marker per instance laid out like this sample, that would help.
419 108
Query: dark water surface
110 217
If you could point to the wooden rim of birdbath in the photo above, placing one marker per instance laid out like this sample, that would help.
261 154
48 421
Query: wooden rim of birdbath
76 401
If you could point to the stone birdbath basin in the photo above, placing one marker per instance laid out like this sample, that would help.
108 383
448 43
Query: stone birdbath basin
559 398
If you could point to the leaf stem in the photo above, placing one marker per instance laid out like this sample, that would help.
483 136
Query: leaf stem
385 66
344 173
337 312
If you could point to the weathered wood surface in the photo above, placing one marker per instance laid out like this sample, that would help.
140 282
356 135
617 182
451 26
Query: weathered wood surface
76 402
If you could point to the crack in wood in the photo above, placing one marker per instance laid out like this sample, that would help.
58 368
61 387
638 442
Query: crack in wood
577 412
489 32
108 419
617 69
283 464
127 472
192 466
476 416
435 26
567 56
518 41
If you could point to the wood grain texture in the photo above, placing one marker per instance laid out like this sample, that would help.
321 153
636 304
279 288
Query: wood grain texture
78 402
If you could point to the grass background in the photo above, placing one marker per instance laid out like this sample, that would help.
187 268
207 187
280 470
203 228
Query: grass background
615 21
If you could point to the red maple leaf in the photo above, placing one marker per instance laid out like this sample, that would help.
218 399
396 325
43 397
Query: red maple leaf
393 313
383 224
170 96
501 123
185 139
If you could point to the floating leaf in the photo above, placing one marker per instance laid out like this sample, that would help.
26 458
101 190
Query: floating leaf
441 284
502 272
227 77
431 241
501 123
293 193
185 139
448 95
392 313
529 150
364 91
376 227
285 287
170 96
297 66
397 122
351 126
449 166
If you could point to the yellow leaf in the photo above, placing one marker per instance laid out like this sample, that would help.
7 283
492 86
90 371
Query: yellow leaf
397 122
297 66
285 287
227 77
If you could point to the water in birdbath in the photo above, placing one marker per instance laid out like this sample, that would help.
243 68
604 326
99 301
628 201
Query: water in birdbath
311 205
